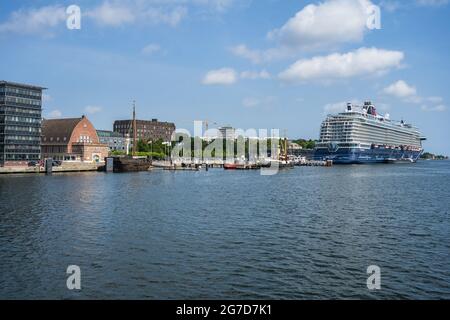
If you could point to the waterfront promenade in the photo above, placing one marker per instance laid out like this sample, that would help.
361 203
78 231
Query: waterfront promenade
65 167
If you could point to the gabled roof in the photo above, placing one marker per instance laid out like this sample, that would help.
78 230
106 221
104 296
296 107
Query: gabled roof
59 128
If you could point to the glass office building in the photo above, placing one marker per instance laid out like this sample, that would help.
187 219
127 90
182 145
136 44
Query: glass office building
114 140
20 123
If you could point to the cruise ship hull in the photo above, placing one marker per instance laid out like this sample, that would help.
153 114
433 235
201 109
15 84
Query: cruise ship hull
366 156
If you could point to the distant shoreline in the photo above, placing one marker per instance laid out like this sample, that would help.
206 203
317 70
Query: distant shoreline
431 156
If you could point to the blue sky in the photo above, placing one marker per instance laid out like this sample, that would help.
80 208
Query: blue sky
250 64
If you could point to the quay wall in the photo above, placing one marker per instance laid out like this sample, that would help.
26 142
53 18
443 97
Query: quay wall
66 167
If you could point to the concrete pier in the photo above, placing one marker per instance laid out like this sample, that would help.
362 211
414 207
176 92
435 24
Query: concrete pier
48 166
65 167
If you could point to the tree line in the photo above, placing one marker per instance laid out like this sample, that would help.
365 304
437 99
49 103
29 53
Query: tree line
241 146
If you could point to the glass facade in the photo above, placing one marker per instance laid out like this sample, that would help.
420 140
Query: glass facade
20 122
114 140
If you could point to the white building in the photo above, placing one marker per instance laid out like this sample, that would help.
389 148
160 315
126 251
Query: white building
228 133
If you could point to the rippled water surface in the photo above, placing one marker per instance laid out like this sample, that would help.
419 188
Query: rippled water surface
304 233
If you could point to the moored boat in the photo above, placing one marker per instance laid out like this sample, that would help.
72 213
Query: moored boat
360 135
230 166
130 164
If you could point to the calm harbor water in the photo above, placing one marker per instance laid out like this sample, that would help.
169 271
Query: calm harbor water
307 233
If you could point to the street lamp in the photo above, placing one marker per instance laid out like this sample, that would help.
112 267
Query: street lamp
151 149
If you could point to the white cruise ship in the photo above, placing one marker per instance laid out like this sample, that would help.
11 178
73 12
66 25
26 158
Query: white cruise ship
361 135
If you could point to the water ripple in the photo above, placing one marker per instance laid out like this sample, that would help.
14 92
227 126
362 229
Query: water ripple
309 233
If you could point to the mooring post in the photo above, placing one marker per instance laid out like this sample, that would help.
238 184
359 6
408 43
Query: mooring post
109 164
48 166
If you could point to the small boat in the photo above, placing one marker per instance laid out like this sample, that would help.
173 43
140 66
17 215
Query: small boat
132 163
230 166
286 164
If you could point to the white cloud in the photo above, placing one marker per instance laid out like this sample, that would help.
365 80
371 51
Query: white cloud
390 5
55 114
316 27
435 99
408 93
362 62
109 14
215 5
438 108
414 99
170 12
254 75
93 109
171 17
400 89
115 13
260 56
252 102
327 24
210 5
394 5
244 52
337 107
222 5
40 21
227 76
151 49
224 76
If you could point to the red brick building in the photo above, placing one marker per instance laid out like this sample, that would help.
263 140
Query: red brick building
72 140
153 130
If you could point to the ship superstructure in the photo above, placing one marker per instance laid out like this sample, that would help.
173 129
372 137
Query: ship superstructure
361 135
